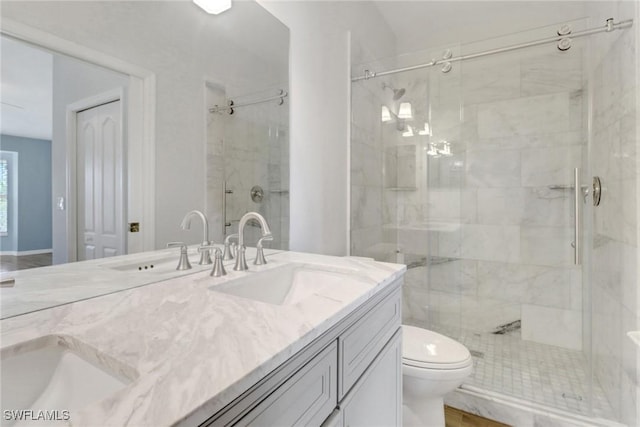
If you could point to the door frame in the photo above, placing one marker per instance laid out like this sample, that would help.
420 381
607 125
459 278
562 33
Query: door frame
140 127
73 109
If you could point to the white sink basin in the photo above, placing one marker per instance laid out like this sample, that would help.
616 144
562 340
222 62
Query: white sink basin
285 285
46 375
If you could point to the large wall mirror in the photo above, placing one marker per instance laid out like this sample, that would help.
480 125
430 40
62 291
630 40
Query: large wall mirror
120 117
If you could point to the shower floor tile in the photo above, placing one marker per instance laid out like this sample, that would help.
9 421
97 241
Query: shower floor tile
541 373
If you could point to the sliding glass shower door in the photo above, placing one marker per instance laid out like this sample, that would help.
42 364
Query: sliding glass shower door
478 176
525 120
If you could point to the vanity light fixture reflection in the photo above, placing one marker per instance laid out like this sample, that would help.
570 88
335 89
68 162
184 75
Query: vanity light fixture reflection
214 7
386 114
405 111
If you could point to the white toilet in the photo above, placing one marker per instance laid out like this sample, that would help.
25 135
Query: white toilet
432 366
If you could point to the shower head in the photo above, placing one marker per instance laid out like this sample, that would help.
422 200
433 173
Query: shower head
397 93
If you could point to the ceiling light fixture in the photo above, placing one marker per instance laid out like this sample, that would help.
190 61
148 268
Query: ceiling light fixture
214 7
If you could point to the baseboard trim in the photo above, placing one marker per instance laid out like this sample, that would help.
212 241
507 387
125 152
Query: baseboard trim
23 253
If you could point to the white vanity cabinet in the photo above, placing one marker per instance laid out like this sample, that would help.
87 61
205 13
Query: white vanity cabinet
350 376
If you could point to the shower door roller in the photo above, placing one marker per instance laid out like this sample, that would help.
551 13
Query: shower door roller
597 191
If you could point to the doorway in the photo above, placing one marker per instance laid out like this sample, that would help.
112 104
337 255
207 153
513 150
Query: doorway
72 79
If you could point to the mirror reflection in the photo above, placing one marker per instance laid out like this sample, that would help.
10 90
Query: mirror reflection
107 142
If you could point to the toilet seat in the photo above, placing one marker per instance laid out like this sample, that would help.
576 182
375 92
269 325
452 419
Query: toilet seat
426 349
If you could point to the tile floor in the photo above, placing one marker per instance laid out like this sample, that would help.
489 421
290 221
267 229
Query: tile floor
544 374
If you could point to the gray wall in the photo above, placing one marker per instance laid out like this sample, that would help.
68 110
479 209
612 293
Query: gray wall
34 194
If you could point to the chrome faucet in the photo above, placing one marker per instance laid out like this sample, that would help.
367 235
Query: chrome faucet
229 247
183 263
241 260
205 256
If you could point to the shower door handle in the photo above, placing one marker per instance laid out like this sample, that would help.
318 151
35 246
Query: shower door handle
576 220
225 224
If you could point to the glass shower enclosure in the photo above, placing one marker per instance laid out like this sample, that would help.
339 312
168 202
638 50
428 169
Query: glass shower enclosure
248 162
466 172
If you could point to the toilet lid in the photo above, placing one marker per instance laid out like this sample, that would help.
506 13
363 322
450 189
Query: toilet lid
427 349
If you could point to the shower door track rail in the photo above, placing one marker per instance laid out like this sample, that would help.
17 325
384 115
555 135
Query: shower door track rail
607 28
280 97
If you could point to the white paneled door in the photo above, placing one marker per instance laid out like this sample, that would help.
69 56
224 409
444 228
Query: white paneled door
99 174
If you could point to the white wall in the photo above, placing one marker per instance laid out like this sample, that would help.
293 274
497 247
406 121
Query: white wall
423 24
25 81
72 81
320 84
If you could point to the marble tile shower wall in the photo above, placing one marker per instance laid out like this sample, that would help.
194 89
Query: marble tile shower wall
215 163
615 245
516 126
250 147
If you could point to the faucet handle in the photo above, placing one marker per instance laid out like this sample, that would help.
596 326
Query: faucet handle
218 267
205 253
229 247
241 260
183 263
260 259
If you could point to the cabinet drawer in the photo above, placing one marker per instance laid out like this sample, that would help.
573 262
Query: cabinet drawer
307 398
362 342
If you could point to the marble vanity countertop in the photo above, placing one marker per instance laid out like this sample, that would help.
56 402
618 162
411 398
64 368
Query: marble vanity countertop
42 288
190 351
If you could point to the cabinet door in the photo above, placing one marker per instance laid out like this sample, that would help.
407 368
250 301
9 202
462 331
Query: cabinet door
305 399
376 399
363 341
